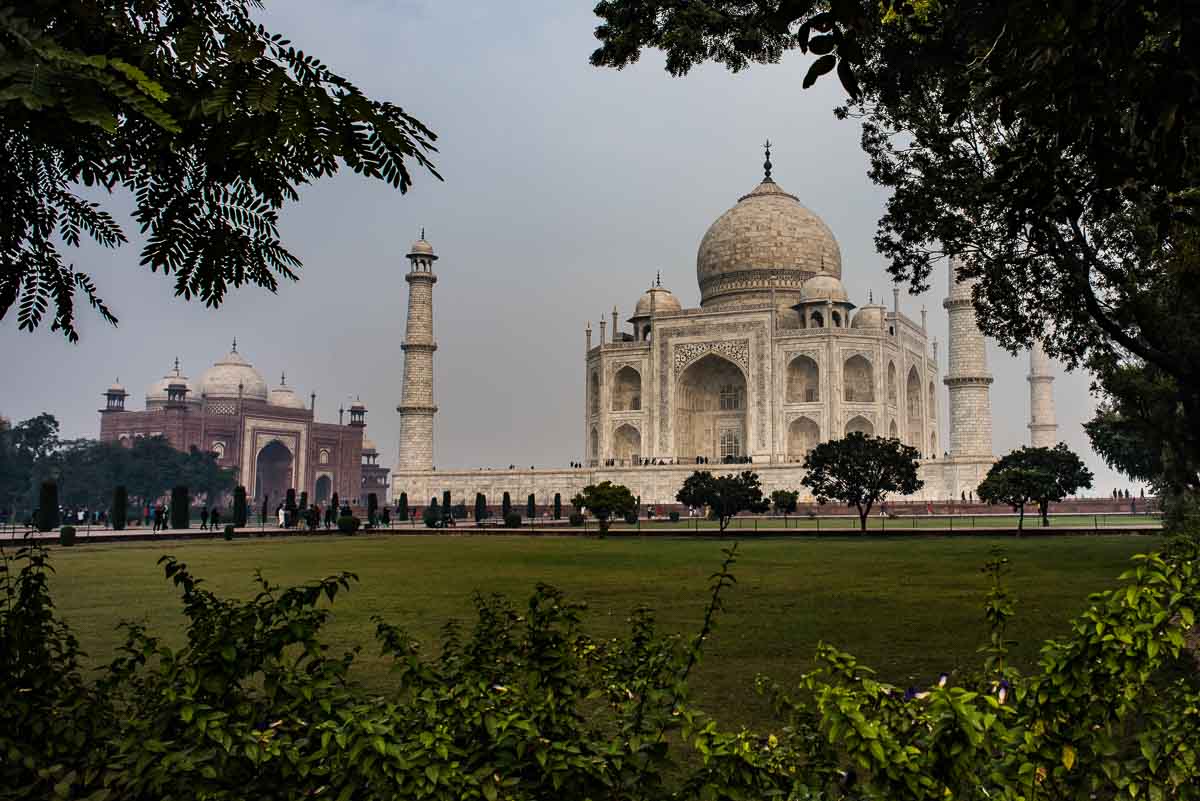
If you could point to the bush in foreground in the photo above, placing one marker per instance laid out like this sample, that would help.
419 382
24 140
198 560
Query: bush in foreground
66 536
348 524
512 520
575 519
254 705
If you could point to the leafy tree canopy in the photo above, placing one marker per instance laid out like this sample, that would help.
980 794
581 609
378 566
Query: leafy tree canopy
1014 487
1053 473
208 120
725 496
605 500
861 471
784 501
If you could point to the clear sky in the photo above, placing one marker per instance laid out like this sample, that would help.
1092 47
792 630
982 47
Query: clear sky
566 187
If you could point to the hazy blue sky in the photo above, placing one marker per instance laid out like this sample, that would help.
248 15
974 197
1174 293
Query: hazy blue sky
566 188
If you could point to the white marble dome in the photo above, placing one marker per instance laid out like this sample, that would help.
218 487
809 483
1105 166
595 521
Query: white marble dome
368 446
421 247
769 236
223 378
662 300
870 316
285 396
824 287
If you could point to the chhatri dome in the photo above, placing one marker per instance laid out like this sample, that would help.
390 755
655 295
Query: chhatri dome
658 299
156 393
285 396
768 236
223 379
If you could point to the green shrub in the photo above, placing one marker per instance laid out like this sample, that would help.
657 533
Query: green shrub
575 519
402 507
558 506
432 516
66 536
239 506
510 706
631 518
229 529
119 514
505 506
47 513
372 508
348 524
512 520
181 507
673 516
531 507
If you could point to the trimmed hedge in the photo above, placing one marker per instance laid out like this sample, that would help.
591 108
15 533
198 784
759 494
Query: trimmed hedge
348 524
512 520
66 536
120 508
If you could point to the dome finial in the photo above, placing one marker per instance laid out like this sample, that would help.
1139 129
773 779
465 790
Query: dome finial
658 277
870 296
176 365
283 379
422 232
235 344
767 163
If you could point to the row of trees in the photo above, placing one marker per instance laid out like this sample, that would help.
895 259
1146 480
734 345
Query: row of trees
87 471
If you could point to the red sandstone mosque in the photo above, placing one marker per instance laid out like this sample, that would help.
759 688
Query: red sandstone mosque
269 437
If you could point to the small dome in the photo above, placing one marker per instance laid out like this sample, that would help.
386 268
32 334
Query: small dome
285 397
116 389
368 446
660 299
769 239
357 406
156 393
223 379
823 287
871 316
422 247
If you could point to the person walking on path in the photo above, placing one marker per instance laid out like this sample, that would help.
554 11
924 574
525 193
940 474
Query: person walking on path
215 518
204 518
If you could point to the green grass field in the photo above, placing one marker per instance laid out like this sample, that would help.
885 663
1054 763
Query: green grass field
909 607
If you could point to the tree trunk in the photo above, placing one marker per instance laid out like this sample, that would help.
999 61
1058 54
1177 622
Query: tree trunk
723 522
863 514
1044 507
1020 518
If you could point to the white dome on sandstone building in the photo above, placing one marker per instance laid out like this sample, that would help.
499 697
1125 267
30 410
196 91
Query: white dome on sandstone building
285 396
223 379
156 393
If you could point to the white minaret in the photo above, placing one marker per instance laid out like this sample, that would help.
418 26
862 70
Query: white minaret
967 376
416 401
1043 428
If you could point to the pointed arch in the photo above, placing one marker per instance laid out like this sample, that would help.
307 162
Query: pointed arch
594 392
803 380
627 390
595 444
893 392
861 424
913 407
858 379
626 443
802 436
893 431
710 409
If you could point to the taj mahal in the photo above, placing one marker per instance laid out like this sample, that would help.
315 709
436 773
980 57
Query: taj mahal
776 359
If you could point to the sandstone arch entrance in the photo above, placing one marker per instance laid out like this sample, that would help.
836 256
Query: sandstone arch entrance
323 490
710 410
273 471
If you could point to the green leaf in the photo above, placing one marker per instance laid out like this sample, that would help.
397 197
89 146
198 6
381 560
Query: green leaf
819 67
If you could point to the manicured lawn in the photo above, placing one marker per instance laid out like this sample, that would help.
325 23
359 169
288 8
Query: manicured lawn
909 607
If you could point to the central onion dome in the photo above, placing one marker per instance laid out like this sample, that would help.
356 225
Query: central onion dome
769 235
223 379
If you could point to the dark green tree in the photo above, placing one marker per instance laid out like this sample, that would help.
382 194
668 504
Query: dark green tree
181 507
207 121
1051 474
558 506
784 502
23 446
725 496
505 505
446 500
1013 486
861 471
372 508
239 506
120 508
47 517
480 508
432 517
530 507
304 500
605 500
289 502
402 506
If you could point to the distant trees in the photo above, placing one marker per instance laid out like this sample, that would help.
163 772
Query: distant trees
784 502
1041 475
530 507
480 508
861 471
604 500
558 506
401 506
725 496
239 506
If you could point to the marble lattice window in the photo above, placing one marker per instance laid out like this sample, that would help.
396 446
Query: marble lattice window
731 444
